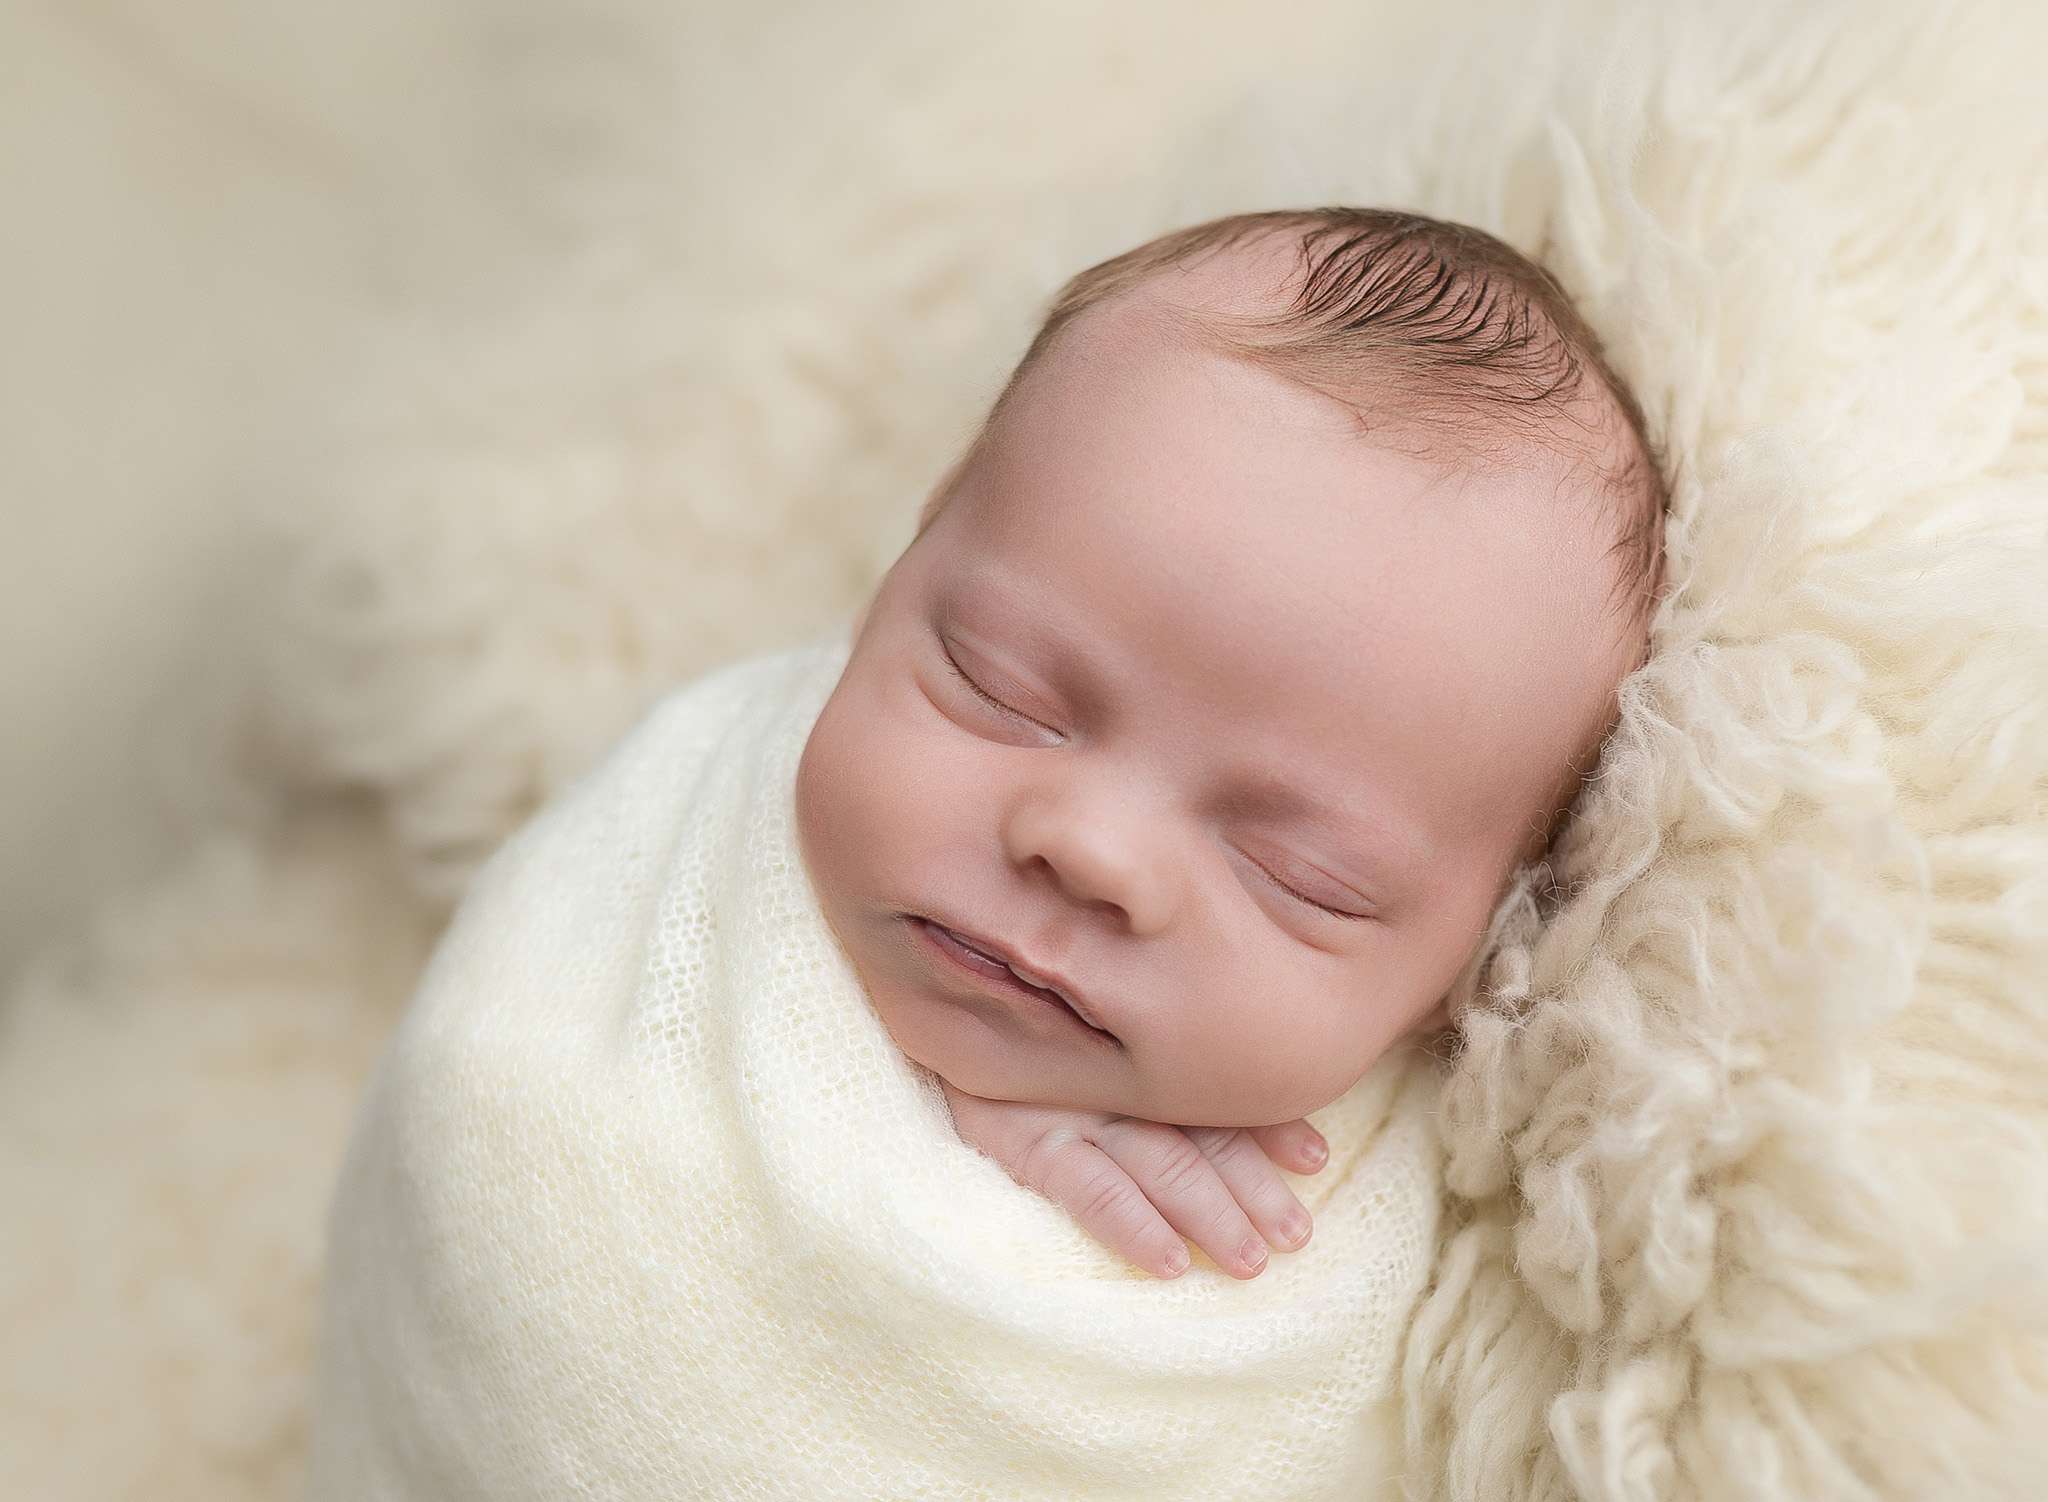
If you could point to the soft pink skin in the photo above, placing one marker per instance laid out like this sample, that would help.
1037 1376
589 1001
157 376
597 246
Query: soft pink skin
1258 590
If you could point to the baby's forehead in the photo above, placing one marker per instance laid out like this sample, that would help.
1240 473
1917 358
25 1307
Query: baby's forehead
1183 305
1580 435
1255 275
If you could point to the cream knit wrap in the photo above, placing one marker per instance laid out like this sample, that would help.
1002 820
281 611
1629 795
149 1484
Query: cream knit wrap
643 1201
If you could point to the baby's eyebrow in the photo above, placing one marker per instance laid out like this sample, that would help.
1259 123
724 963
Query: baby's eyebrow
988 593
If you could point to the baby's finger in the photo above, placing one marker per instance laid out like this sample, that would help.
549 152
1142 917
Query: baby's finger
1294 1145
1183 1184
1241 1162
1095 1190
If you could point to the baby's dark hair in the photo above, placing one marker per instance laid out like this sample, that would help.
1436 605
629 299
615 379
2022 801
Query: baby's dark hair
1420 326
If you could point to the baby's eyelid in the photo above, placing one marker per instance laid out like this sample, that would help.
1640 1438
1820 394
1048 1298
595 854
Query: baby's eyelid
1310 901
984 695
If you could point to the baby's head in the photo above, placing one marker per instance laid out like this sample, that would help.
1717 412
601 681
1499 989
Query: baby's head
1265 630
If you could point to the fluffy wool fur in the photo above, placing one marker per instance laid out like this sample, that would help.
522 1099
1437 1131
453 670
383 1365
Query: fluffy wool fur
1748 1136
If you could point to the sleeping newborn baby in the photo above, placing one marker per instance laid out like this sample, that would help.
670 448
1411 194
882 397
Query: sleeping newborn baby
1264 632
804 1102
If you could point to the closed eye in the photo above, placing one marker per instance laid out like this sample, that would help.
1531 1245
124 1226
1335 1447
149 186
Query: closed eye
1303 897
983 694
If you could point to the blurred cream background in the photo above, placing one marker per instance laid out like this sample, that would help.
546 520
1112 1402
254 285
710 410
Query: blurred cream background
206 206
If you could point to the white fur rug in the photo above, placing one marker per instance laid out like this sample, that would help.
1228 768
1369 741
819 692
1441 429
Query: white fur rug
1749 1139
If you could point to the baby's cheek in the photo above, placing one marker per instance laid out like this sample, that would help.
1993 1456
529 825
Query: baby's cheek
1322 1047
1235 1045
857 807
827 808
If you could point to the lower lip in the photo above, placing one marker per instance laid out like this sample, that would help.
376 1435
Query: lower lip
942 943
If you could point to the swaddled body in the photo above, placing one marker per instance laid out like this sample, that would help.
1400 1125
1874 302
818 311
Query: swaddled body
645 1201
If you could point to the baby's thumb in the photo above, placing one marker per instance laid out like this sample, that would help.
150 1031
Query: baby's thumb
1294 1145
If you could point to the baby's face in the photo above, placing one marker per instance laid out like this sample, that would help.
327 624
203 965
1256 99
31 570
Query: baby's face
1250 721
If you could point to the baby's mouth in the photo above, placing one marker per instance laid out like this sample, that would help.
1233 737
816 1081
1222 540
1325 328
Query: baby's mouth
971 956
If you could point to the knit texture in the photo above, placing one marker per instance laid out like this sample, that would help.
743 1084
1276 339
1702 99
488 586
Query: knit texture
644 1201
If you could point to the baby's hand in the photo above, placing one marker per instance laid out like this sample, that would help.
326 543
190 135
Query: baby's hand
1132 1184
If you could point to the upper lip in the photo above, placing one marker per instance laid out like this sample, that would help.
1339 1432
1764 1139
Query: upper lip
1043 976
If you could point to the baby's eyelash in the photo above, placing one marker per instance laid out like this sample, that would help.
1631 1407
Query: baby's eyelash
1310 901
979 692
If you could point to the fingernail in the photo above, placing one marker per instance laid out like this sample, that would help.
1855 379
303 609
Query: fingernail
1176 1262
1294 1229
1253 1253
1317 1152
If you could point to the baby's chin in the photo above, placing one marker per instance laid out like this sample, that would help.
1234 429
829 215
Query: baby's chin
969 1056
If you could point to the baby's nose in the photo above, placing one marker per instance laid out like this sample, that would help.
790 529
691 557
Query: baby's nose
1099 856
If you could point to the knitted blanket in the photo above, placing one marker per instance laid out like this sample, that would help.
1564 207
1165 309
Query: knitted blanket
644 1201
